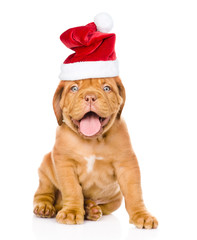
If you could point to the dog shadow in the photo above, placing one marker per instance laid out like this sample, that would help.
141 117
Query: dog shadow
108 227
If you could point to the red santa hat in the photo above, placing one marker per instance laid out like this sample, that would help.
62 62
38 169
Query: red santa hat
94 48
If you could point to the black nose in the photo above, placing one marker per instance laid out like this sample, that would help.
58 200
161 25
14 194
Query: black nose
90 98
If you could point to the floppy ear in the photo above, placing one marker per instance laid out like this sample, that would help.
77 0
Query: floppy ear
121 93
56 102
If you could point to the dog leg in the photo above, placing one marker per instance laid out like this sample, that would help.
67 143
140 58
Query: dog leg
72 211
128 175
111 207
44 198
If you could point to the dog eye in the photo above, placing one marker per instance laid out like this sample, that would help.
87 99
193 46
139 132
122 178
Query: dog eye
74 88
106 88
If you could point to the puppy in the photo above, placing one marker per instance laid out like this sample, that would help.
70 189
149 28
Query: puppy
92 163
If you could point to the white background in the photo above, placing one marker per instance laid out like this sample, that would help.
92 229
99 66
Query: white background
157 50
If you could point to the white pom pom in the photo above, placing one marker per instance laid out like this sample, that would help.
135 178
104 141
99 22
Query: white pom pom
104 22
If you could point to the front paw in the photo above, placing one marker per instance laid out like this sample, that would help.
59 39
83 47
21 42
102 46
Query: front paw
69 216
144 220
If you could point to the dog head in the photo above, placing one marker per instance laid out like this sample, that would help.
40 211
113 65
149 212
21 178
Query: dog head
90 106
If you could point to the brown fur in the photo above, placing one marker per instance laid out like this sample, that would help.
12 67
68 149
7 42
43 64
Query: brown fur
66 187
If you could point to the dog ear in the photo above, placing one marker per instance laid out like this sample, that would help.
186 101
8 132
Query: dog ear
121 93
56 102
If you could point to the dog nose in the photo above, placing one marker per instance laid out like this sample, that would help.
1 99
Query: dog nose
90 98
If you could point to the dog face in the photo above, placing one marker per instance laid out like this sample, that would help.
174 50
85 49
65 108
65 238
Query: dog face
90 106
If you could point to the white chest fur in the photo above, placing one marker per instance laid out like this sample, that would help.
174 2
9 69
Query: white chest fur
90 161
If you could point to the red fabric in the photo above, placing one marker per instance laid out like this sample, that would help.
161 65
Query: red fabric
89 44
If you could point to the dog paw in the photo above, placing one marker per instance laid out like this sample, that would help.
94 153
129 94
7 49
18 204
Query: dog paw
44 210
70 217
92 211
144 220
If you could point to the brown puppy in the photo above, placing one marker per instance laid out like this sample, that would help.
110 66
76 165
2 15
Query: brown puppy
92 163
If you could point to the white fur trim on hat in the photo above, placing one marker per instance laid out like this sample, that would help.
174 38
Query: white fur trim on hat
89 69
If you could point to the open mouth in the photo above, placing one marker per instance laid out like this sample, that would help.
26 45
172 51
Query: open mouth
91 124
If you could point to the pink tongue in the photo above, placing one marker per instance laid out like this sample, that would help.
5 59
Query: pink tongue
90 125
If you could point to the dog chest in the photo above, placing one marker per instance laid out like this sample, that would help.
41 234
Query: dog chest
95 170
90 161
